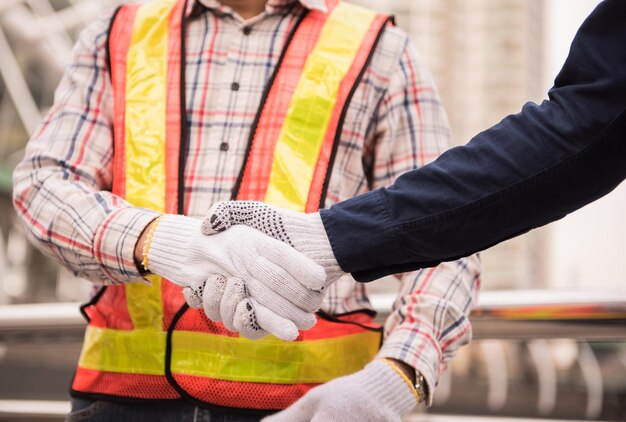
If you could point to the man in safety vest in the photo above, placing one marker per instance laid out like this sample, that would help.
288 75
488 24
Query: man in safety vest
171 106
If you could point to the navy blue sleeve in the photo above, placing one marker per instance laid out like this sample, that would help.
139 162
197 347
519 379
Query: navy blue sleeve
532 168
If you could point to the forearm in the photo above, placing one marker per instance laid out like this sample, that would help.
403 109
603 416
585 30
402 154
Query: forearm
92 233
529 170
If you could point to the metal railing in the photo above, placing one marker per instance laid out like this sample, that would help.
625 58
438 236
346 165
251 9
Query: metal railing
519 315
522 315
535 314
33 409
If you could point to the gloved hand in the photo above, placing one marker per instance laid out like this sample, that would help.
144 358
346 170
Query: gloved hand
376 393
304 232
272 286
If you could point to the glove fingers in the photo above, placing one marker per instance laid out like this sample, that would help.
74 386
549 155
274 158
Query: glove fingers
217 219
246 322
191 297
256 215
299 266
193 293
234 293
280 305
281 327
211 298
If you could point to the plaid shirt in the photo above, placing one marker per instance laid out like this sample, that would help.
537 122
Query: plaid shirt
395 123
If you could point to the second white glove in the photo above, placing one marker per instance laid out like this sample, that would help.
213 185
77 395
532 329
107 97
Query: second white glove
305 232
376 393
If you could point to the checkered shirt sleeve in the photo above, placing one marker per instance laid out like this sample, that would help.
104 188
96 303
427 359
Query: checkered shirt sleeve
62 187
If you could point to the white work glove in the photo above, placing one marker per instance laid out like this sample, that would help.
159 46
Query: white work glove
271 285
304 232
376 393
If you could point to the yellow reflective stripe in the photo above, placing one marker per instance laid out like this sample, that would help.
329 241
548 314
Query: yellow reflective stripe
134 352
146 77
236 359
146 96
145 304
271 360
304 128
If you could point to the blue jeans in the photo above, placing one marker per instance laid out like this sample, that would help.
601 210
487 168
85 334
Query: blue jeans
93 410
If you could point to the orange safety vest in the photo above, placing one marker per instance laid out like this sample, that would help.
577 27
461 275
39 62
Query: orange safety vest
143 341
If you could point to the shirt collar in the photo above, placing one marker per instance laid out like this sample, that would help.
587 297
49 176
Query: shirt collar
274 4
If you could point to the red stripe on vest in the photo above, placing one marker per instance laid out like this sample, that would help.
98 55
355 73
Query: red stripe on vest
108 313
121 32
321 168
173 114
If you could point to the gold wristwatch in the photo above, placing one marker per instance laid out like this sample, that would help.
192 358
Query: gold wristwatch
421 387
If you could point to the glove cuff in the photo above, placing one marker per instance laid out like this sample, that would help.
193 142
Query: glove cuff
391 389
170 244
306 232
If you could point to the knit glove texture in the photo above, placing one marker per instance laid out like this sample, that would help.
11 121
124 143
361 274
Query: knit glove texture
376 393
259 284
304 232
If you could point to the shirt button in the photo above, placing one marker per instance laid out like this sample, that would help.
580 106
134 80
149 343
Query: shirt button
247 30
224 146
234 86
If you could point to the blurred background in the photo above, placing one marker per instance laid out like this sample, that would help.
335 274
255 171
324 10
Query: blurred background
488 58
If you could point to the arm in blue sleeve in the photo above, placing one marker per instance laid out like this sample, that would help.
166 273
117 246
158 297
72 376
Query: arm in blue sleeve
529 170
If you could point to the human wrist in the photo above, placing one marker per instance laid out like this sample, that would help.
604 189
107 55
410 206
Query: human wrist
171 245
425 357
391 389
115 240
414 380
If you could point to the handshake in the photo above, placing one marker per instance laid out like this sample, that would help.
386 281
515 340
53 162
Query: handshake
258 269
